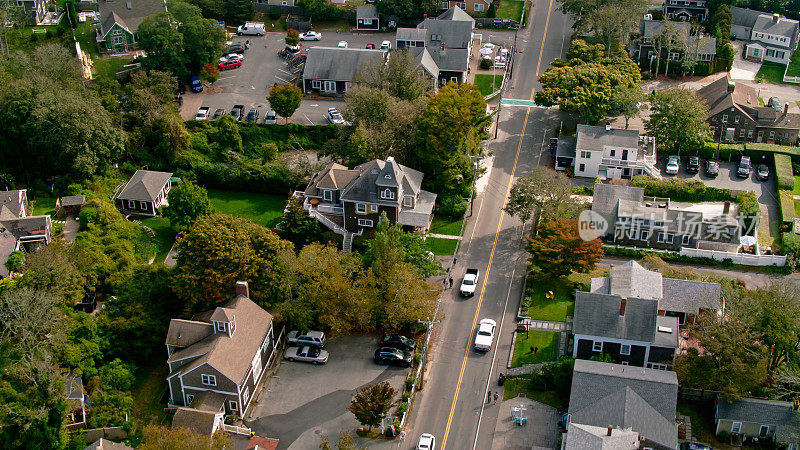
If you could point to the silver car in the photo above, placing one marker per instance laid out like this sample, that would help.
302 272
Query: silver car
313 355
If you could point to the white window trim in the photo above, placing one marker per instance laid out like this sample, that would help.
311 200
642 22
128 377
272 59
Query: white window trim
143 205
624 363
387 194
232 405
208 380
364 223
373 208
764 434
189 399
737 426
597 346
327 194
686 239
246 395
132 204
220 326
622 349
408 200
316 84
361 208
645 236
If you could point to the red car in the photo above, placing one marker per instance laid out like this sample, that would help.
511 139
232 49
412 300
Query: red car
229 64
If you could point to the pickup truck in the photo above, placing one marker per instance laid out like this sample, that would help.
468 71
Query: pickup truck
251 28
237 112
469 282
202 113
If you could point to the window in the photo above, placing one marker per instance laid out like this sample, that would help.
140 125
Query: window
763 431
674 56
408 200
462 5
736 119
645 236
373 208
772 135
132 204
208 380
256 366
364 223
724 118
387 193
116 32
143 205
624 363
118 40
361 208
327 195
316 84
478 7
597 346
736 427
582 168
625 349
330 86
685 239
585 154
220 326
741 132
749 134
189 398
284 3
656 366
246 395
232 405
613 153
670 238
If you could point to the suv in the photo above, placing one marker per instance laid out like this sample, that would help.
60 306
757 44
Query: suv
313 338
744 167
712 169
693 164
252 116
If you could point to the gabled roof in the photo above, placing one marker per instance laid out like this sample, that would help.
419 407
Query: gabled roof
390 175
626 397
597 138
581 437
144 185
744 17
451 33
114 18
363 187
411 34
105 444
764 412
74 387
689 296
606 197
196 420
457 14
73 200
223 315
599 315
333 176
262 443
13 202
425 60
366 12
718 99
337 64
27 227
128 13
184 333
632 280
783 27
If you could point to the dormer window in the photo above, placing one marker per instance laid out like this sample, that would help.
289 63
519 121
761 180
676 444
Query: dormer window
327 195
387 194
232 326
221 327
408 200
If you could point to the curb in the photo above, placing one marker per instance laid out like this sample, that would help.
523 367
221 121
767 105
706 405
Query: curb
511 353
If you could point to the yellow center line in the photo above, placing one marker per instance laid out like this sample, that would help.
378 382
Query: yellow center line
485 279
541 49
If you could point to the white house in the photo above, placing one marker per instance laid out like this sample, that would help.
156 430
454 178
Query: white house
607 152
771 37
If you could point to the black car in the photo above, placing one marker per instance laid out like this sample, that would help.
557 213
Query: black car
712 169
252 116
218 113
398 341
762 172
236 48
392 356
693 164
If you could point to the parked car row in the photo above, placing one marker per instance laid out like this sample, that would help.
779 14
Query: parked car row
395 350
237 112
306 347
743 168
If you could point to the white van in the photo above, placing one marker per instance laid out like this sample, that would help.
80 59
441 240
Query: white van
251 28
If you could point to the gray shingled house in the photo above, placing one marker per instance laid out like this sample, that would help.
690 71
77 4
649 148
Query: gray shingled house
330 70
218 358
119 22
367 18
770 37
771 420
702 48
610 402
18 230
144 193
686 10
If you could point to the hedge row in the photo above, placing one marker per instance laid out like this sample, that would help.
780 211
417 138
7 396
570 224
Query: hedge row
677 258
783 171
681 189
755 150
787 206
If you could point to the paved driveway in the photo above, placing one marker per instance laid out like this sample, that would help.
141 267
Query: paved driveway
301 402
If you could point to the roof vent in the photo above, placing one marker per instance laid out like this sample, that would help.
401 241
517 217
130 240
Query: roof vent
128 5
664 330
776 17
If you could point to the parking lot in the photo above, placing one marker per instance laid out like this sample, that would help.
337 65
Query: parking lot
249 85
301 401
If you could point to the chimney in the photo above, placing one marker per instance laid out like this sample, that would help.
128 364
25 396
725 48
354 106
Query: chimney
610 427
726 207
608 126
622 307
785 108
442 46
242 289
424 16
731 86
776 17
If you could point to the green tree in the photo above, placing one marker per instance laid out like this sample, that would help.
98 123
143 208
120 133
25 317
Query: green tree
237 12
557 250
399 76
321 10
159 437
390 245
164 45
227 134
292 37
371 403
285 99
298 226
544 195
629 102
678 120
492 11
203 40
346 442
14 261
54 269
187 201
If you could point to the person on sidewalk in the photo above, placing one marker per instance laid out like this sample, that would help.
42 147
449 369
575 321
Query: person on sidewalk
495 398
489 397
451 282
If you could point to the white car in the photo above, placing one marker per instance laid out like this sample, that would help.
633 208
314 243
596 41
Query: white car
335 117
426 442
311 36
485 335
342 44
386 45
306 353
271 118
225 58
673 165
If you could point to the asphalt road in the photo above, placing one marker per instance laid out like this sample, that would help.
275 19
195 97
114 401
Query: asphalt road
452 403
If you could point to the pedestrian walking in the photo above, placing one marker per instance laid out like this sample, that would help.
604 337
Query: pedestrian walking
489 397
454 261
402 435
495 398
444 284
451 282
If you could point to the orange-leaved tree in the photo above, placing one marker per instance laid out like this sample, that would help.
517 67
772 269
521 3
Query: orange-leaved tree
558 250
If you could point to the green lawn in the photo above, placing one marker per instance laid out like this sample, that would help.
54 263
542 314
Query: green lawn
702 418
43 205
263 209
510 9
797 208
484 83
794 66
447 225
563 304
771 73
148 389
797 185
441 246
165 235
546 341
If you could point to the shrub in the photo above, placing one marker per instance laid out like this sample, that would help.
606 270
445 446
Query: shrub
791 244
486 63
274 14
754 147
783 171
749 211
452 205
402 407
555 375
787 206
681 190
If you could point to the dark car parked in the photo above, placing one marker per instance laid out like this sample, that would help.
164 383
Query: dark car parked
392 356
236 48
762 172
712 168
398 341
218 113
252 116
693 164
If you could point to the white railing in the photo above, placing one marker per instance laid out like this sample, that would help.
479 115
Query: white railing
737 258
330 209
327 222
236 430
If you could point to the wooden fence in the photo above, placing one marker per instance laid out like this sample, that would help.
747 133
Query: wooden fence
696 395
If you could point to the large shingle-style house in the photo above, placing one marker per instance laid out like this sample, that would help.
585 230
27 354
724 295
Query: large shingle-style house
733 111
446 38
612 406
18 230
694 10
607 152
700 47
367 18
772 420
655 222
144 193
770 37
217 359
330 70
35 9
351 200
469 6
120 19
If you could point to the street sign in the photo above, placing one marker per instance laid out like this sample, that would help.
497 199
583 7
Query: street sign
517 102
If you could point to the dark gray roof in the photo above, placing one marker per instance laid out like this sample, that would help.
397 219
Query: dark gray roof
606 198
457 14
451 59
783 27
689 296
626 397
363 188
14 202
651 28
411 34
74 387
73 200
366 12
129 18
105 444
27 227
420 216
196 420
566 146
111 19
707 45
744 17
596 138
451 33
632 280
763 412
144 185
338 64
598 315
718 99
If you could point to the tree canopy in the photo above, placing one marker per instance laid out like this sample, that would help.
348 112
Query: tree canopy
285 99
678 120
557 250
543 195
187 202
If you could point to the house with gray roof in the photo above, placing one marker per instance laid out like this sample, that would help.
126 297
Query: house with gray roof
771 420
447 38
609 401
199 421
367 18
105 444
330 70
686 10
144 193
770 37
18 230
606 152
699 47
119 22
217 359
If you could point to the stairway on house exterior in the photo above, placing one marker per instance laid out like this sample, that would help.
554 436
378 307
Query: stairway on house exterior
347 242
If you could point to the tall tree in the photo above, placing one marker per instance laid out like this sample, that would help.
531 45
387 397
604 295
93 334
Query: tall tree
399 76
558 250
678 120
371 403
629 102
285 99
238 12
543 194
187 202
390 245
164 45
